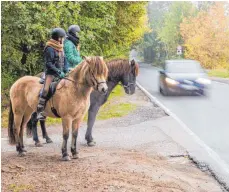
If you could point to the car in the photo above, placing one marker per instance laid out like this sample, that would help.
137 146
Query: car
181 77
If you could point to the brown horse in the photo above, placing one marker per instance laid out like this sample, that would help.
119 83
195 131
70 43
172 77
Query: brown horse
71 101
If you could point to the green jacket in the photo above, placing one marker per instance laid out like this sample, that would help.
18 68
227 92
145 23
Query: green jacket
71 53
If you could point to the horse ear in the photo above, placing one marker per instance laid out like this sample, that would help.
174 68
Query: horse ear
88 59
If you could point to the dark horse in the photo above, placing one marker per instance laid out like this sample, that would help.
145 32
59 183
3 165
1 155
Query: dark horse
120 70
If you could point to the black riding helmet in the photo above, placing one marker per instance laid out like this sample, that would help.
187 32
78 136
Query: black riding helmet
58 33
74 29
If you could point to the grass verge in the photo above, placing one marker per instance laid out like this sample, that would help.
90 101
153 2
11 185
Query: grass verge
113 108
223 73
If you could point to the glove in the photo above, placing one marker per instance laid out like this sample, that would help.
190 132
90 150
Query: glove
62 75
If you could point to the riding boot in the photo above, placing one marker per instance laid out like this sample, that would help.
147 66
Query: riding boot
41 108
43 97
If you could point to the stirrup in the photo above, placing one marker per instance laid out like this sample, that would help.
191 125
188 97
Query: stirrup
40 116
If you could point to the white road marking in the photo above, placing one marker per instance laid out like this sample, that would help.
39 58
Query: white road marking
211 152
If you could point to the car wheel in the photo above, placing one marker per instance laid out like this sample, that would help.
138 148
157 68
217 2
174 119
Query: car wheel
164 91
160 90
205 93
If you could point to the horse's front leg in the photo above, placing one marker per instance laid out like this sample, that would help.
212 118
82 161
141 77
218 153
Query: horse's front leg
92 112
44 132
67 123
75 128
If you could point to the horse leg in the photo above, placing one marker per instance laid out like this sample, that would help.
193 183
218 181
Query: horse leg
92 112
44 132
25 120
18 121
34 129
67 123
75 128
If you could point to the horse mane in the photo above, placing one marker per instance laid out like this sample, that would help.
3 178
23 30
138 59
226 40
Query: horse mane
94 64
119 67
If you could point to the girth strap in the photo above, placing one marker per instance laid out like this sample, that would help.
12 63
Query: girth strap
55 112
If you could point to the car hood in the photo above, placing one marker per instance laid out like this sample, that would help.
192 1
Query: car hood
188 76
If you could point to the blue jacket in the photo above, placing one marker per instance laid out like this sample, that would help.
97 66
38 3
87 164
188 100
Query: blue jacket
53 66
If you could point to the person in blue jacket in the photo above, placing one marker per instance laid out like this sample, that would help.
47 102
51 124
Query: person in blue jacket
55 66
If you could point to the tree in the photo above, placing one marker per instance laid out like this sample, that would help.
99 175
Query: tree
108 29
170 30
150 46
206 36
26 27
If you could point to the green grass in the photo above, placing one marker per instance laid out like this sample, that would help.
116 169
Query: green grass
112 111
113 108
223 73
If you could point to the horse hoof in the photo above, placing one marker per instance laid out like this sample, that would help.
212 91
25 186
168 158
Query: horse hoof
21 154
38 144
49 140
66 158
91 143
24 150
75 156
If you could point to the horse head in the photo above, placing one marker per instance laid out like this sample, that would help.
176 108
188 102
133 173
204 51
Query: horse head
96 73
129 78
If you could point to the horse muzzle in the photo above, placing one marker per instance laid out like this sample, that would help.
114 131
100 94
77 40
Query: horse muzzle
102 87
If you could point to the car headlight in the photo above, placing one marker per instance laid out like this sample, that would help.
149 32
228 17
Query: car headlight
203 81
171 81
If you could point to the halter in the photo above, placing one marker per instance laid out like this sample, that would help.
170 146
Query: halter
120 83
128 84
97 83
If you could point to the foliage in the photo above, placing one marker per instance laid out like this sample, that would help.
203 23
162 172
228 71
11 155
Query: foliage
170 31
207 37
165 18
107 28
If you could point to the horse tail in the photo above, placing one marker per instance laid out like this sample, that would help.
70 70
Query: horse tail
12 139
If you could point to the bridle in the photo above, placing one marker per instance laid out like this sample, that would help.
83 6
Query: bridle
126 86
97 83
95 80
129 83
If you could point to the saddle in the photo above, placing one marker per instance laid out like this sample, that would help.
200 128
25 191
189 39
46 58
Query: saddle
52 87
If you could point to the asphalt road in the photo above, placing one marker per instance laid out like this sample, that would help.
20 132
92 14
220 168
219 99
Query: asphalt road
207 117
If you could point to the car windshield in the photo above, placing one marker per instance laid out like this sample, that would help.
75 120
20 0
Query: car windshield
183 67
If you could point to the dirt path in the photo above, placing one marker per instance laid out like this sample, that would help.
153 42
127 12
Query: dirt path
107 167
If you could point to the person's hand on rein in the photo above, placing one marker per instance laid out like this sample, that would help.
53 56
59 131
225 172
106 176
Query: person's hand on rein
62 75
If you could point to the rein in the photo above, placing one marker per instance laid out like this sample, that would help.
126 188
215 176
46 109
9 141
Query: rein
82 83
69 79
